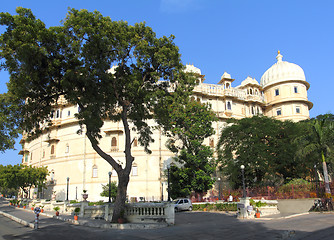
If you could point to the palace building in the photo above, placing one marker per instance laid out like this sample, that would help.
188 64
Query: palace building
72 162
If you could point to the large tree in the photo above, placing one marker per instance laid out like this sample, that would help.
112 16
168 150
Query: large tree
24 177
9 122
187 124
266 148
317 143
111 70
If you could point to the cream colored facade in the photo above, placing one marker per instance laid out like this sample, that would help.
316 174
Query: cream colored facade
282 94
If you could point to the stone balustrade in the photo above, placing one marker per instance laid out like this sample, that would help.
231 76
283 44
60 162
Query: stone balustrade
134 212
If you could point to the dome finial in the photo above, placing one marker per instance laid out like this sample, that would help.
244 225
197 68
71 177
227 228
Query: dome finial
279 56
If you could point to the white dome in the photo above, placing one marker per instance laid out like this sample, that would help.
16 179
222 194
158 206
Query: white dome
192 68
282 71
226 76
249 80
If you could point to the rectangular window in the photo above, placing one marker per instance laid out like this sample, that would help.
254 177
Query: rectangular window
58 114
279 112
26 157
295 89
134 171
276 92
94 172
297 109
68 113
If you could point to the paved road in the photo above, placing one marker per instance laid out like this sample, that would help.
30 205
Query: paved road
11 230
191 225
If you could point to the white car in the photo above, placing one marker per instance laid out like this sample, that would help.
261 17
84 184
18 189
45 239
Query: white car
182 204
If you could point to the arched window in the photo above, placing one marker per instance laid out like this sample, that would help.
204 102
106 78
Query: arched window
227 85
114 142
256 92
52 149
251 91
94 172
253 110
52 176
278 111
192 98
229 107
134 170
67 148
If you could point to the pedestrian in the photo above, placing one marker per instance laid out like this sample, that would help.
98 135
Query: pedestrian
230 198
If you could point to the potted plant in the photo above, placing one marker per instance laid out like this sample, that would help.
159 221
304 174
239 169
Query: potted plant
85 195
24 206
76 212
57 210
121 217
257 213
33 206
42 210
18 203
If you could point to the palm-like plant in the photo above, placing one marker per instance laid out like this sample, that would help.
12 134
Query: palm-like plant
318 141
321 128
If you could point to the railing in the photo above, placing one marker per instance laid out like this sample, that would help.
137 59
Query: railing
212 89
150 212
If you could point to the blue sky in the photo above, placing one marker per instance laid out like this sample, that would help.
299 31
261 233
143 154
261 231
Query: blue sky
240 37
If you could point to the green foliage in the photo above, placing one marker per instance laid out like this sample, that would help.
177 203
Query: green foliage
110 69
317 143
77 210
188 125
95 203
296 187
56 209
266 148
113 192
9 122
215 207
257 204
21 176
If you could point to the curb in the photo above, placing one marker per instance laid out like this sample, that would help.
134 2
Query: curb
286 217
112 225
18 220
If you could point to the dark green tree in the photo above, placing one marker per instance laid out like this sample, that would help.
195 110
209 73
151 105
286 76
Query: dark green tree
113 190
111 70
24 177
266 148
9 122
187 125
317 143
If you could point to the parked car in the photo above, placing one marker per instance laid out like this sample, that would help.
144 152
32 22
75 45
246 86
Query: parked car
182 204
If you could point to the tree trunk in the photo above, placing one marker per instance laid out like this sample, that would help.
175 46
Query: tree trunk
119 206
324 167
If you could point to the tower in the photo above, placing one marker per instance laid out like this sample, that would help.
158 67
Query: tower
285 91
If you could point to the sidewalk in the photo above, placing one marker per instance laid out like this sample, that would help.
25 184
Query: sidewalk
26 217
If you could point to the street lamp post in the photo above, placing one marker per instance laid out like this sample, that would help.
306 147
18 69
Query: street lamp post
68 180
168 185
109 187
219 191
243 181
316 178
